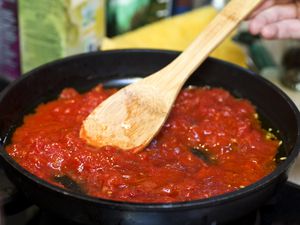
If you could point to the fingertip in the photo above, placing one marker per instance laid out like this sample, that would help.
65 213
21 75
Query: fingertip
269 32
254 27
257 24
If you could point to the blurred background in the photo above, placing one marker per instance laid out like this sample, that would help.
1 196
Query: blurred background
34 32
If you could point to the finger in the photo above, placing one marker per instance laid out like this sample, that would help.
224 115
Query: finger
272 15
287 29
267 4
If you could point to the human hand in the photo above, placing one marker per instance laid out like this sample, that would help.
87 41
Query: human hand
276 19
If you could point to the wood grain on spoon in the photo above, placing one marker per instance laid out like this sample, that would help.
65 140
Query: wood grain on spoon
130 118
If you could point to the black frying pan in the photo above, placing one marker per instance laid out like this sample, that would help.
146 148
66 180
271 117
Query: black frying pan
118 68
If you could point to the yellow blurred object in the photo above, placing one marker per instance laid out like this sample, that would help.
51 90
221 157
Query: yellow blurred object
176 33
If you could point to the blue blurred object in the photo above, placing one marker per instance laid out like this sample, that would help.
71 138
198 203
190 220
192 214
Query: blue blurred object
181 6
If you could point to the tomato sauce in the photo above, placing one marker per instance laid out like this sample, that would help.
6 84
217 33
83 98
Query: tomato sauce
212 143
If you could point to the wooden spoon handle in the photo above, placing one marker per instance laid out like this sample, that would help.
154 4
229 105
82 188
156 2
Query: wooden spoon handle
133 116
220 27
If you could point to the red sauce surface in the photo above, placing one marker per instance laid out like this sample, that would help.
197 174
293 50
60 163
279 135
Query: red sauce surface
234 150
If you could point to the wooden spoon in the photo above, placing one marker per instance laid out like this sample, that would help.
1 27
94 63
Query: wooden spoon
130 118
